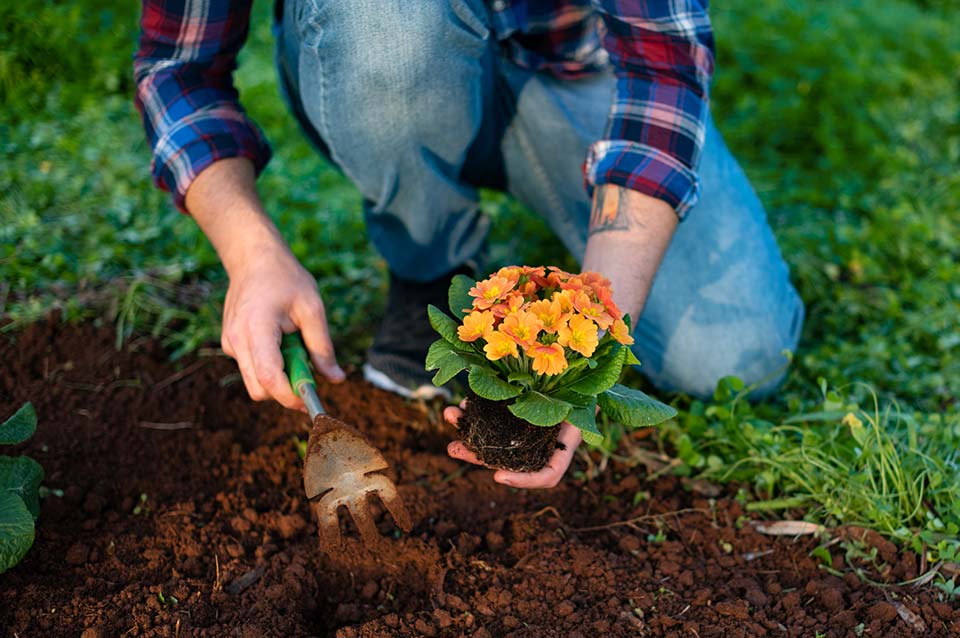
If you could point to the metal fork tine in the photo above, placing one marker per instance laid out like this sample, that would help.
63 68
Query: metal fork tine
394 504
360 511
328 526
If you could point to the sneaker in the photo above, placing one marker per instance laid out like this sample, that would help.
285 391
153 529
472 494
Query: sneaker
395 361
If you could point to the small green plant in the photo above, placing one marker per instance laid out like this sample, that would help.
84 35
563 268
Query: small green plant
20 478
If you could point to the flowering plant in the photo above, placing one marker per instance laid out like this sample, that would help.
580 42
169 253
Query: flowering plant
552 342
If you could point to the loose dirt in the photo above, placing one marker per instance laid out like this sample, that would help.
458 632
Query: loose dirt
183 515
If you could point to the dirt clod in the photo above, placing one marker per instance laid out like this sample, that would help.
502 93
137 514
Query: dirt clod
224 544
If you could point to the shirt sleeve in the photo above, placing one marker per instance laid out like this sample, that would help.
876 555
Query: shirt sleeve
185 94
663 55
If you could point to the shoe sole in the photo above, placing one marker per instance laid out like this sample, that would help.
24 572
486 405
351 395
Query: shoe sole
380 380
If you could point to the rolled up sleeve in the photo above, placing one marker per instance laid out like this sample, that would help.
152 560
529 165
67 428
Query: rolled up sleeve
185 93
663 57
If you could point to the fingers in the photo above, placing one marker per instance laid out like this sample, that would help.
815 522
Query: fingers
458 450
311 318
452 415
268 364
553 471
235 345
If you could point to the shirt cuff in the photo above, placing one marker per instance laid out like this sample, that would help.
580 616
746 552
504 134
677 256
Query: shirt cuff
644 169
194 144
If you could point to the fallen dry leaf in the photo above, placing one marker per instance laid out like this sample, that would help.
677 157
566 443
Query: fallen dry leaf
909 617
788 528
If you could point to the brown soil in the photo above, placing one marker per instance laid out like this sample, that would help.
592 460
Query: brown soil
183 515
502 440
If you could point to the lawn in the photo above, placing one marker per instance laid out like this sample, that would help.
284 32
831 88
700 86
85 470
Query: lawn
844 115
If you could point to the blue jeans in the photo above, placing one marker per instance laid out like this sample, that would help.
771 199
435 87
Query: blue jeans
414 102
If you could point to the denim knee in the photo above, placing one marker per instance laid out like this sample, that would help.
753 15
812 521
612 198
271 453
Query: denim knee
753 349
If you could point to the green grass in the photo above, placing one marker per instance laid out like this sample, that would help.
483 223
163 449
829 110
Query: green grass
845 117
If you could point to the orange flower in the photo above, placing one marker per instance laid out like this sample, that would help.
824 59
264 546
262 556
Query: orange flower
499 346
550 314
592 310
595 280
579 334
565 299
512 305
605 295
619 332
510 273
523 327
475 325
532 271
489 291
547 358
529 289
574 283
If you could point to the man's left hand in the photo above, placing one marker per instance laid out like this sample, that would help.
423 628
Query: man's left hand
549 476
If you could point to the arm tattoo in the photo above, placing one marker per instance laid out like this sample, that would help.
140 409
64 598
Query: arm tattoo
611 212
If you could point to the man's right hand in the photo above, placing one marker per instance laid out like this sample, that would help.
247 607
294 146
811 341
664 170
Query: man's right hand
270 293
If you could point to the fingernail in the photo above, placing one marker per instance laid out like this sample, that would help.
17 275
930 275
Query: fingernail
337 374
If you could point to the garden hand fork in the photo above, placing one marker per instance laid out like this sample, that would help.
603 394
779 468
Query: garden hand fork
340 467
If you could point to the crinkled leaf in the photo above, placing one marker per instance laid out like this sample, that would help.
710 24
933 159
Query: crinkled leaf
446 360
585 420
575 399
459 295
524 378
19 427
539 409
16 530
445 327
607 372
633 408
21 476
489 386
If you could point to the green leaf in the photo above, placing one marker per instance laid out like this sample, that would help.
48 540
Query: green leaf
16 530
539 409
633 408
585 420
21 476
489 386
443 358
446 327
525 378
607 372
575 399
459 295
20 426
630 359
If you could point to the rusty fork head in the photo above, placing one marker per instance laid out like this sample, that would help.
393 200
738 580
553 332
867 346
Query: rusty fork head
342 468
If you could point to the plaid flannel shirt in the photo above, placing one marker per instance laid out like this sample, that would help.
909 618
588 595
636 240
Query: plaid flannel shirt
661 51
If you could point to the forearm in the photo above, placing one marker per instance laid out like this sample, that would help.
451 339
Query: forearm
628 235
224 202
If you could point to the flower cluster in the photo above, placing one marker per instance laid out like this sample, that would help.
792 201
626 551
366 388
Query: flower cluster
543 315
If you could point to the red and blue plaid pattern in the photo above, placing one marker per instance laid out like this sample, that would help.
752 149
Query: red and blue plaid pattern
662 53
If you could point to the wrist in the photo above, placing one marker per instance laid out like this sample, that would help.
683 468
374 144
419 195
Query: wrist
252 237
223 200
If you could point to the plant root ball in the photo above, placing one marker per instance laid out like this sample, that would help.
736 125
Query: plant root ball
504 441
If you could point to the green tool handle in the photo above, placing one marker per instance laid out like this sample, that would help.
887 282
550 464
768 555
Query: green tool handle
296 363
